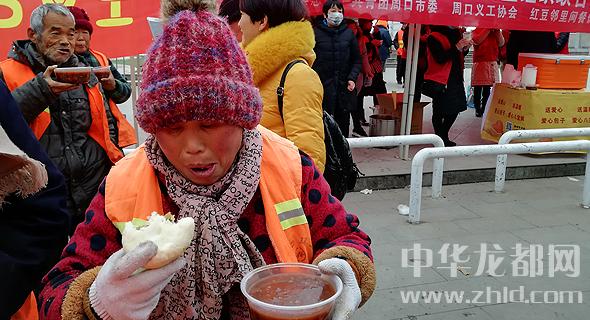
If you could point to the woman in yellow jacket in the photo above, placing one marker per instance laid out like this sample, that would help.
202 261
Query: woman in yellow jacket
275 33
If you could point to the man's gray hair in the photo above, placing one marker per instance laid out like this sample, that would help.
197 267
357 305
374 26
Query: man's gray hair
41 11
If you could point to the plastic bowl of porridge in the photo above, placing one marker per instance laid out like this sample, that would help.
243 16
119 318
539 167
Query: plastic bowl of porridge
76 75
101 72
290 291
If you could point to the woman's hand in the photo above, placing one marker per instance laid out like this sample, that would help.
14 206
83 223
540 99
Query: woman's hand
55 86
463 44
349 300
119 293
351 85
109 83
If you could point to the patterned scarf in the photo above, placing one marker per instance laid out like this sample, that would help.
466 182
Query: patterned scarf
220 255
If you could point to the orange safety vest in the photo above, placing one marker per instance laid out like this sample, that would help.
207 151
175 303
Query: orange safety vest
16 74
28 311
401 51
132 192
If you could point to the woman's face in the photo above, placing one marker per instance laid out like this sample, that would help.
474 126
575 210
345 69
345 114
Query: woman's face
366 25
334 9
235 28
352 26
202 151
250 30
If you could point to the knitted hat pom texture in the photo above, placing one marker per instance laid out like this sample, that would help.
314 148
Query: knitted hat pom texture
196 70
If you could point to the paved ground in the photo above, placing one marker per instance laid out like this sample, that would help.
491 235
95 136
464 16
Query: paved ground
530 212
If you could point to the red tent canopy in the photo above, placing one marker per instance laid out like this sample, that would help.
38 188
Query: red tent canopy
121 28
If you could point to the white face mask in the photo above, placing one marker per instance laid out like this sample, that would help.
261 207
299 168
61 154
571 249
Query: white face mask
335 18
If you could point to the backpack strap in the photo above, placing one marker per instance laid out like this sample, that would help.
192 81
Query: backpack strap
281 88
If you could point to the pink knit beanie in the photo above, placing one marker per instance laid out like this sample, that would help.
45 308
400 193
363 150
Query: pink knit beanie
197 71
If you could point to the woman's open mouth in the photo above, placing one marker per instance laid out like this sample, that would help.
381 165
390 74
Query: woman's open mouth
203 171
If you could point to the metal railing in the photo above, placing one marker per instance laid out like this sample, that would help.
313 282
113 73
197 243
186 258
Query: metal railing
409 140
506 138
466 151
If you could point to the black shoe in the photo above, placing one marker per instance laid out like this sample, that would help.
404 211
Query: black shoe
450 143
364 123
478 113
360 131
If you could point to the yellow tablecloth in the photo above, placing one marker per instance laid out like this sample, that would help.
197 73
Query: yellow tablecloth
518 109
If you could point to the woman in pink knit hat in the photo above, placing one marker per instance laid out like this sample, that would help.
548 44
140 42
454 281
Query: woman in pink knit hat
205 158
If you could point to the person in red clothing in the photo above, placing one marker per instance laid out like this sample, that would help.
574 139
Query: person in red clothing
503 55
485 72
256 199
364 79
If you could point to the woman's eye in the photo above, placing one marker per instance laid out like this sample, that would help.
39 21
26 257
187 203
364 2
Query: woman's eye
174 130
208 125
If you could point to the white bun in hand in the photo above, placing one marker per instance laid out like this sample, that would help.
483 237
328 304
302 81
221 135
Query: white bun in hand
171 238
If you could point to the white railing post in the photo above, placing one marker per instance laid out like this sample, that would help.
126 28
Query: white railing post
416 187
586 192
437 176
466 151
506 138
408 140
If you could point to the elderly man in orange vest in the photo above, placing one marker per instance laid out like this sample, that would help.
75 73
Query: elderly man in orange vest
79 128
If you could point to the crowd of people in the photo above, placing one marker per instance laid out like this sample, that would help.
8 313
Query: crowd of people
235 101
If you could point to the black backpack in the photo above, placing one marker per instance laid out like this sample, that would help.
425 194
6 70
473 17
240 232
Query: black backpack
341 172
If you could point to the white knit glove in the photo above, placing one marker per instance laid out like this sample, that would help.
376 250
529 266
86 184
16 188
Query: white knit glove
119 293
349 300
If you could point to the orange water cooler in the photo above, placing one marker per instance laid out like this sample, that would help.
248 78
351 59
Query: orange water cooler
557 71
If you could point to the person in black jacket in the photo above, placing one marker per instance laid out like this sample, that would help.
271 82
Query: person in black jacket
338 63
445 44
530 42
34 229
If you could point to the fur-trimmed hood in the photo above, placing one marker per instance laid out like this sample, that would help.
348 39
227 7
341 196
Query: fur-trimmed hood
278 46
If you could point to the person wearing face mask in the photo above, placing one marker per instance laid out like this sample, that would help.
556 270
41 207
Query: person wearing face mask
338 63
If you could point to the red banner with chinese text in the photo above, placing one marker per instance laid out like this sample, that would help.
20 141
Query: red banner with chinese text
121 28
534 15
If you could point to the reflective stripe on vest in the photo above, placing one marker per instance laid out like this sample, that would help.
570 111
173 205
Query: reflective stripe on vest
16 74
132 193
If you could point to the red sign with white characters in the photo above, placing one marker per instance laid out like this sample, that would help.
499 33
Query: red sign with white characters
534 15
